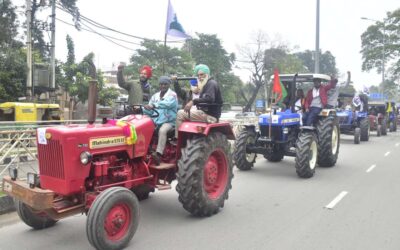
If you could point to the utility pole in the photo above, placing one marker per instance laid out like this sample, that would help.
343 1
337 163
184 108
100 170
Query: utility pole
53 45
316 68
29 93
383 51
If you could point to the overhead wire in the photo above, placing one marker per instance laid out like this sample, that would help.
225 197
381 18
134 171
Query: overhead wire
102 26
111 37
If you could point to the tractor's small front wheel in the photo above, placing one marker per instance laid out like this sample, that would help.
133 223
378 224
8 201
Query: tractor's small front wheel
306 154
357 135
245 160
379 130
365 129
113 219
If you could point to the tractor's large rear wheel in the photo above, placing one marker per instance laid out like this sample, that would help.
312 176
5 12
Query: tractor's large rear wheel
243 159
205 174
365 129
112 219
328 142
36 220
306 154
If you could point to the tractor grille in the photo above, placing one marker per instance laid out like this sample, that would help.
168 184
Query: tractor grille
51 159
275 132
342 120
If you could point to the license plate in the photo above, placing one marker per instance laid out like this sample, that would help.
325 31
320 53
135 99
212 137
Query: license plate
7 187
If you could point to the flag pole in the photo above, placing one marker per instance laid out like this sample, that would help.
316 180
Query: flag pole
164 53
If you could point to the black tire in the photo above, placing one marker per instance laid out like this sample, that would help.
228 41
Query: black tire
364 127
276 155
328 142
33 219
142 192
118 203
195 171
391 126
243 160
357 135
306 154
384 127
379 130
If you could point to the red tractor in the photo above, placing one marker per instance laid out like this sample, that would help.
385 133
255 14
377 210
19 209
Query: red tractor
97 170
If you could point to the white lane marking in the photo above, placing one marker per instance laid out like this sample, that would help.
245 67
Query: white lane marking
371 168
336 200
387 153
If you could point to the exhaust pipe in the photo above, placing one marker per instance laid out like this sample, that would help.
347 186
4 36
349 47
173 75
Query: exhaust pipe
92 101
92 96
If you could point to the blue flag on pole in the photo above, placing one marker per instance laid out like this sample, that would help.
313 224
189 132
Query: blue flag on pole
173 27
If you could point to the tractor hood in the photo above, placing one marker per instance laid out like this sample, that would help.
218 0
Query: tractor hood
280 119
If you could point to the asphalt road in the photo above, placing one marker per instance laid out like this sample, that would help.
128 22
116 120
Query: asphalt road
268 208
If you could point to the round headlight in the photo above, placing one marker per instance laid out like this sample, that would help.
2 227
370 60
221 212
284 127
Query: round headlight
86 157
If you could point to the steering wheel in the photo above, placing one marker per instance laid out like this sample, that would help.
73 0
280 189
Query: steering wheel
138 109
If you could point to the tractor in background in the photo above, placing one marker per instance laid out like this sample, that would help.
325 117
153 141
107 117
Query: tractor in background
355 121
377 117
281 134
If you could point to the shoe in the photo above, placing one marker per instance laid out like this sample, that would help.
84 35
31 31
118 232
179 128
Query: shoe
157 158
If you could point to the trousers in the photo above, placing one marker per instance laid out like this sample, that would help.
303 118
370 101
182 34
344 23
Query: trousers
195 116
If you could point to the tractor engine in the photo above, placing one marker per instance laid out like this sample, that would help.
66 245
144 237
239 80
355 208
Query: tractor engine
76 158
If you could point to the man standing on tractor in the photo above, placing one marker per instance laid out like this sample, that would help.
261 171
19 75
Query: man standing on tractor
209 101
333 95
165 102
316 100
136 95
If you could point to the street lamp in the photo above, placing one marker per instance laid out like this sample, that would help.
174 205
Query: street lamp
383 43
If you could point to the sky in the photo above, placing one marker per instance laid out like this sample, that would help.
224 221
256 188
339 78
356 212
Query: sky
234 22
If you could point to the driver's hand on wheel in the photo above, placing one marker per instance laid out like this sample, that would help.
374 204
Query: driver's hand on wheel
188 106
148 107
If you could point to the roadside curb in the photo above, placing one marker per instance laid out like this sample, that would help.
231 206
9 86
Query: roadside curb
6 204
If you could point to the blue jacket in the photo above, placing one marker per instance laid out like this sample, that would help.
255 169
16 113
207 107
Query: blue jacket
166 107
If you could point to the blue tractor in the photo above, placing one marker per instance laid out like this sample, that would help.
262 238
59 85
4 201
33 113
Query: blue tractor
281 134
355 122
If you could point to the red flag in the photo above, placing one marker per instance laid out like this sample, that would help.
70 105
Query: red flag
276 88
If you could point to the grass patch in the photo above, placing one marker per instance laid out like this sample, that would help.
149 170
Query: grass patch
2 193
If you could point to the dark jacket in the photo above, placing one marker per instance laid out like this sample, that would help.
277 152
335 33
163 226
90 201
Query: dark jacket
210 94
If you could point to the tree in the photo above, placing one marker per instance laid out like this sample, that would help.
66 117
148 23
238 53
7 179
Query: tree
261 57
37 26
382 36
177 61
327 62
79 90
12 56
207 49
